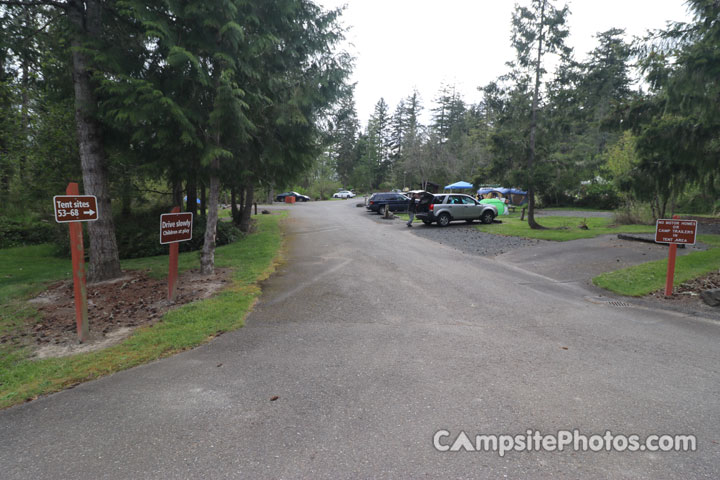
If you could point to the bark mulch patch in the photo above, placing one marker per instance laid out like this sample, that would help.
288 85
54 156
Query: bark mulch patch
689 291
115 309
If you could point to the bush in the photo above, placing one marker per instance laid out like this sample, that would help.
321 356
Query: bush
697 201
633 213
138 235
17 232
598 195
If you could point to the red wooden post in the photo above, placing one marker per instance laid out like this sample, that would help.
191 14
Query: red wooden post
670 278
78 259
173 269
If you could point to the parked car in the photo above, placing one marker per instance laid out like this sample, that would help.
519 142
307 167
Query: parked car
395 202
299 197
343 194
447 207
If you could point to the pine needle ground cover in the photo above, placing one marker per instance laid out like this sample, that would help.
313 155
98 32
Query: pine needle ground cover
25 271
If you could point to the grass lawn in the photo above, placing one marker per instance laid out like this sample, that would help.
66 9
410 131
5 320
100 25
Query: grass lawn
26 270
561 229
649 277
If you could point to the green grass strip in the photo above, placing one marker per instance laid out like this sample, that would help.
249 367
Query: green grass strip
561 229
251 259
650 277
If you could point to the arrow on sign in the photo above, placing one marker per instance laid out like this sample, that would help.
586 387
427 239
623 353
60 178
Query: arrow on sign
89 212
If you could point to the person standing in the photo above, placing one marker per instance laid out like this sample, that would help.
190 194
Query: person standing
412 208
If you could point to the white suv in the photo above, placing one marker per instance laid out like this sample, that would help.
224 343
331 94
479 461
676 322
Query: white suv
446 207
343 194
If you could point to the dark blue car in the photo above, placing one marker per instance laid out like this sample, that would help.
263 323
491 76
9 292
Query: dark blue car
395 202
299 197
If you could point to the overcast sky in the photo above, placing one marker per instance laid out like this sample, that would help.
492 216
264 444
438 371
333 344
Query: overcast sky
404 44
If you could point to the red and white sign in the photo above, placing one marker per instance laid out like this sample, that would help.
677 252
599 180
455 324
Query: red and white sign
75 208
176 227
676 231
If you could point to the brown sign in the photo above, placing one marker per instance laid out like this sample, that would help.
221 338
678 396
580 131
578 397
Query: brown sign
176 227
75 208
676 231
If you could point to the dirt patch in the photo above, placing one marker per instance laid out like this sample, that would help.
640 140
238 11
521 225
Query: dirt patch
689 292
115 309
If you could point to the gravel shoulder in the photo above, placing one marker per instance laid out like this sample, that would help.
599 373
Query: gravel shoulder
573 213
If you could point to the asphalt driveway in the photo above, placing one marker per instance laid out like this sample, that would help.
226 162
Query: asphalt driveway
373 339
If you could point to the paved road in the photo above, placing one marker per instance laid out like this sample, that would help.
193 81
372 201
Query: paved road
374 339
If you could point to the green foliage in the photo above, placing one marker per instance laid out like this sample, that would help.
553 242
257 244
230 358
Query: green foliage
15 232
601 195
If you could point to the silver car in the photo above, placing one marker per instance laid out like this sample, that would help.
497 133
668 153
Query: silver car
446 207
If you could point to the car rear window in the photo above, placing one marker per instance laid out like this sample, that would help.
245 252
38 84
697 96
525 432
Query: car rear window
438 199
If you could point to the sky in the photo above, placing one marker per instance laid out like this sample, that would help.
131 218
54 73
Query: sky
400 45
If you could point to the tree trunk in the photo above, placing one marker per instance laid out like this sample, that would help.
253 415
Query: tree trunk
654 207
104 258
126 197
233 204
207 260
203 199
246 211
271 195
673 204
533 126
177 193
192 194
24 119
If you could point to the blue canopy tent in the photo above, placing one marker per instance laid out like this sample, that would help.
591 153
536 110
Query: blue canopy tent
459 186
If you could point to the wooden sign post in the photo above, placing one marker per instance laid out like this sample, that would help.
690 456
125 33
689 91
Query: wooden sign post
175 227
74 208
675 232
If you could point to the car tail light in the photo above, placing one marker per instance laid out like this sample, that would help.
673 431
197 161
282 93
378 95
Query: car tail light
432 207
372 203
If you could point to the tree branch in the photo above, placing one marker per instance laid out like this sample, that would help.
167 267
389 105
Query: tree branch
34 3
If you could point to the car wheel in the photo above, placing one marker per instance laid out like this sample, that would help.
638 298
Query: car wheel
444 219
381 210
487 217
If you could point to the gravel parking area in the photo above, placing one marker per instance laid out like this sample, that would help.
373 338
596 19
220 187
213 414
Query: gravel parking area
461 236
469 239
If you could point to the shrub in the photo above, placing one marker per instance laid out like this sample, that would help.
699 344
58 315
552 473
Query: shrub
599 195
17 232
633 213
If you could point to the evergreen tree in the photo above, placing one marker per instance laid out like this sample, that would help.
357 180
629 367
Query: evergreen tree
538 30
343 133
